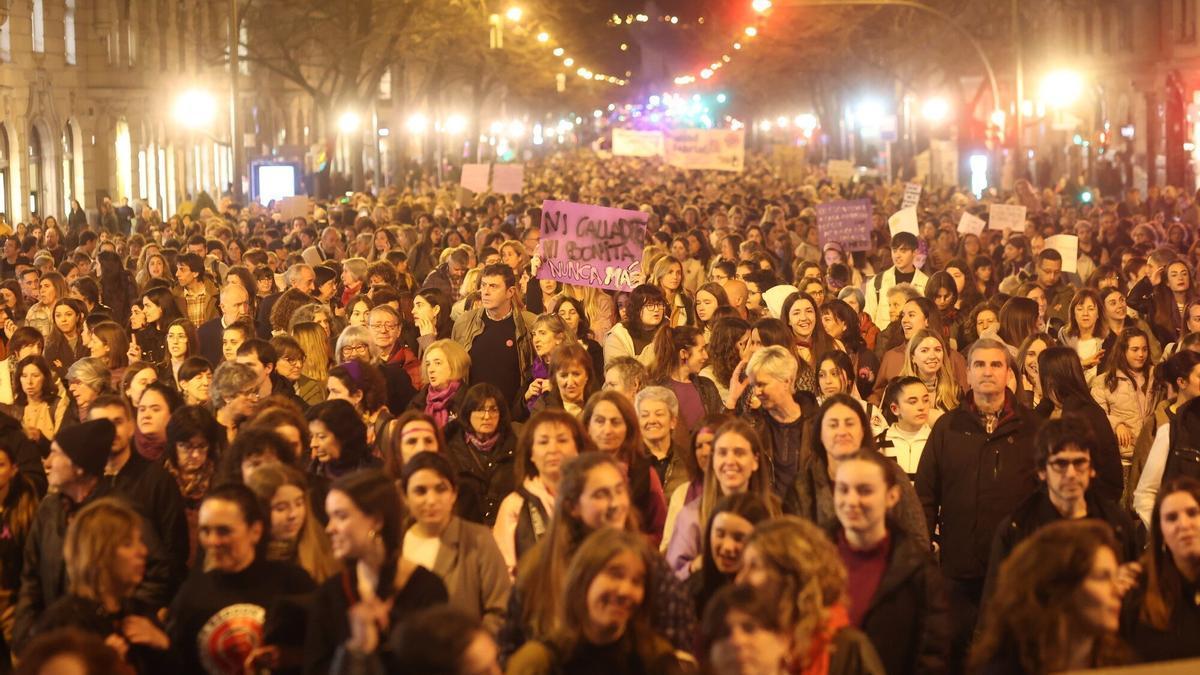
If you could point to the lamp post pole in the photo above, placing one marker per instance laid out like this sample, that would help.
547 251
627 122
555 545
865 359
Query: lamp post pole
236 145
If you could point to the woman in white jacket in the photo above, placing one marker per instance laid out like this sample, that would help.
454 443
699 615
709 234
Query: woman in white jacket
1123 389
906 402
635 336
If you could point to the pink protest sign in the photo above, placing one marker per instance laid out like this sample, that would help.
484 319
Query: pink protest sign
593 246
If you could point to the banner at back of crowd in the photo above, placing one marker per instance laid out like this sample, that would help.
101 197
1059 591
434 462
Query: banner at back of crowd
593 246
718 149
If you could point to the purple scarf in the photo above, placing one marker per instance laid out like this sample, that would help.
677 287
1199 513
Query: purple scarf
437 402
540 371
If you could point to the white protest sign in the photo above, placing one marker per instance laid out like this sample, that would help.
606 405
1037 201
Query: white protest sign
912 195
840 171
508 179
1006 217
971 224
904 220
475 177
717 149
634 143
292 207
1067 246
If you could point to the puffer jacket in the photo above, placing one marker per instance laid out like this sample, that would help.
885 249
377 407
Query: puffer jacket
1125 404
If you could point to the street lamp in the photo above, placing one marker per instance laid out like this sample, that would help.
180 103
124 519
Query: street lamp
1061 88
348 122
513 14
751 31
935 109
195 108
456 124
416 124
543 37
761 6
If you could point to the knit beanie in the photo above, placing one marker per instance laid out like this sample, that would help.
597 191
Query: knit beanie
88 444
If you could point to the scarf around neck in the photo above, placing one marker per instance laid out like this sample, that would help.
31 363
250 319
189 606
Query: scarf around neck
437 402
150 448
820 648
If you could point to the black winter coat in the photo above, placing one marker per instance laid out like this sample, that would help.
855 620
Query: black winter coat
25 451
484 479
1038 511
969 480
906 619
1106 456
44 574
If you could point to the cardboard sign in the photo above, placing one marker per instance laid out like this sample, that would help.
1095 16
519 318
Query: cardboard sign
1006 217
1067 246
905 220
594 246
634 143
508 179
475 177
971 224
716 149
292 207
912 195
840 171
845 222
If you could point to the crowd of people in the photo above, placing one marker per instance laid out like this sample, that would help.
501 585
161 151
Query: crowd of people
374 438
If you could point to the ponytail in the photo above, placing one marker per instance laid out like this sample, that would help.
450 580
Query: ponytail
667 343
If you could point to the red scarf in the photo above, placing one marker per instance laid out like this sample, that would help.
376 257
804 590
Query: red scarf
819 652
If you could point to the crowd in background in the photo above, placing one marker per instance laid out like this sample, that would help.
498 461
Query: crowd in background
373 438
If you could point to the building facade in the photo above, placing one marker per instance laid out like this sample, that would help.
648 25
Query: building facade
88 91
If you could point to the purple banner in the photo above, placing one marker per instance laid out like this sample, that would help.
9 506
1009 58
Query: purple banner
845 222
593 246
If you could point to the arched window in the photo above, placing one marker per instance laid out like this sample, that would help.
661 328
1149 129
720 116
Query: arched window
36 178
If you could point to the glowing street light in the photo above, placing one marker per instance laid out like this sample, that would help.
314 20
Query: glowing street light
1061 88
761 6
456 124
513 14
706 73
195 108
568 62
751 31
935 109
806 122
416 124
348 122
869 114
543 37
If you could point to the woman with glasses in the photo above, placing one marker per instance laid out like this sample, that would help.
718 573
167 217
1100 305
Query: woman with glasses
290 366
195 441
234 395
481 445
634 336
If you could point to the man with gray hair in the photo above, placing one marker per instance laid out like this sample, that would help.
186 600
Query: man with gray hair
299 276
328 248
449 275
658 414
978 465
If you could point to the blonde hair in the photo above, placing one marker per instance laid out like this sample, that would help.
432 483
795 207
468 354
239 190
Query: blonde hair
811 575
315 344
457 358
313 552
91 545
946 393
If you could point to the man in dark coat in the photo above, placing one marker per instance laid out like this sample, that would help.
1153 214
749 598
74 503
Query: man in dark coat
1065 469
977 466
74 469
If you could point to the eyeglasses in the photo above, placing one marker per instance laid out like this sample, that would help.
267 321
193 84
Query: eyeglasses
490 411
251 394
194 450
355 349
1080 464
383 326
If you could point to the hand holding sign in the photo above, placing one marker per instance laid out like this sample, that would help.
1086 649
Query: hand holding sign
594 246
912 195
845 222
971 224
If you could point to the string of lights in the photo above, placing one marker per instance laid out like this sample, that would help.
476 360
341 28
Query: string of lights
515 14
